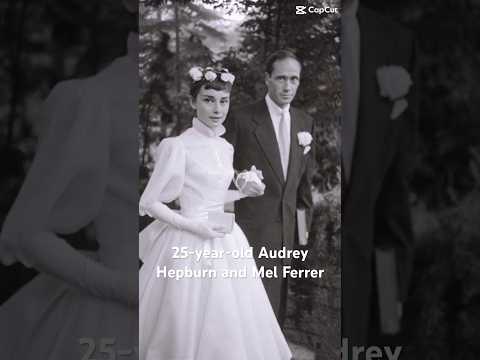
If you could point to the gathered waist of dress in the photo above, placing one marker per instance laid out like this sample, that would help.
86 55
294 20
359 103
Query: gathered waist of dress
201 213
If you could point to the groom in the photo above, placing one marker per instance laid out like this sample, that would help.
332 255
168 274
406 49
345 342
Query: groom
266 134
377 139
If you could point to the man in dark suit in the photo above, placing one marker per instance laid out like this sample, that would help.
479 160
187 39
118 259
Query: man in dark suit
275 137
377 137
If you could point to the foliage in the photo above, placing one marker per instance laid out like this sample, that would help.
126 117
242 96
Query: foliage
44 43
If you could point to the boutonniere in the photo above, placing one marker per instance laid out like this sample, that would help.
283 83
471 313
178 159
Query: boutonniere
394 82
305 139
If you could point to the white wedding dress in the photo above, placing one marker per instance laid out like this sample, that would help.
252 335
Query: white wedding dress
85 172
205 318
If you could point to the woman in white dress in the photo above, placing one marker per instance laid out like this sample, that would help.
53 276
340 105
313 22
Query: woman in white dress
85 173
207 314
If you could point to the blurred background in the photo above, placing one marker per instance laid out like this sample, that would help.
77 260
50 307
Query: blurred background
240 35
442 317
42 43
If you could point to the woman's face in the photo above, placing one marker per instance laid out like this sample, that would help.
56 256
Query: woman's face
211 106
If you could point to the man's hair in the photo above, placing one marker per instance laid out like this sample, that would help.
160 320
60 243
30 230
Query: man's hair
280 55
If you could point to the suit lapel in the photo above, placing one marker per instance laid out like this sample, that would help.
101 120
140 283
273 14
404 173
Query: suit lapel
296 151
267 139
373 110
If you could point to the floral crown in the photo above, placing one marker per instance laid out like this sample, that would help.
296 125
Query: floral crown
210 74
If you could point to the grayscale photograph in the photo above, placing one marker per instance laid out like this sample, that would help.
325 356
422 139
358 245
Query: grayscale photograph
240 181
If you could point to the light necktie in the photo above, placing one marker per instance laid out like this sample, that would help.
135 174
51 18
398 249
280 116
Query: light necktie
284 141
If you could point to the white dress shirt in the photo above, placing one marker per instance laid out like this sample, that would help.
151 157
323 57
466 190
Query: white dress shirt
276 113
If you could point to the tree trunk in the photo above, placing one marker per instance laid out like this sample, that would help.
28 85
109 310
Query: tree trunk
177 65
145 116
278 24
268 25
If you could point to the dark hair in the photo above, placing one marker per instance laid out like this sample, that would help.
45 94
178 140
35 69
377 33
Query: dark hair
280 55
213 85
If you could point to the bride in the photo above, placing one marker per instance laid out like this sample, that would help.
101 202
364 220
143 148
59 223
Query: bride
193 305
82 305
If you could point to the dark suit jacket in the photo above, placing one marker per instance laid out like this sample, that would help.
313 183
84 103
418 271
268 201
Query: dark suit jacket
270 220
375 202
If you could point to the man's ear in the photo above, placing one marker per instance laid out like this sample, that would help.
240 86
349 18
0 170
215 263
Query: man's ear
267 78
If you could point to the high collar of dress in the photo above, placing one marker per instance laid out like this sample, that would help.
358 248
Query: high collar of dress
272 107
207 131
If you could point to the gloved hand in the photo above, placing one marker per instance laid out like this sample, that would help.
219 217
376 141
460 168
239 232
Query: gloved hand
250 183
252 189
121 286
52 255
204 229
201 228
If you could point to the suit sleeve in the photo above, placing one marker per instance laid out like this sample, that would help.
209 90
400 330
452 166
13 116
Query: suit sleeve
231 128
231 136
304 192
393 226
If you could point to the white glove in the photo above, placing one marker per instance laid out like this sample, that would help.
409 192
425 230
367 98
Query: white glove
250 183
54 256
121 286
252 189
203 229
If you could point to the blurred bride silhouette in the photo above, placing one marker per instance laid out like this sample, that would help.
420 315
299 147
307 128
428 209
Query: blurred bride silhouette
85 173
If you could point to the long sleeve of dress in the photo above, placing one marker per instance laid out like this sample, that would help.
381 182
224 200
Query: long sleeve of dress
167 179
164 186
63 192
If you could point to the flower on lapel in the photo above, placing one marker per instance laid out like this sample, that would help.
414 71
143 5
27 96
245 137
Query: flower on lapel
305 139
394 82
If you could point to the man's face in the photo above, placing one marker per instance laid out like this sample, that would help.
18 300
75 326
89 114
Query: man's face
283 83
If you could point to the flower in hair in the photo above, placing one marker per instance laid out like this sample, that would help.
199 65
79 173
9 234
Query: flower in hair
210 75
196 73
227 77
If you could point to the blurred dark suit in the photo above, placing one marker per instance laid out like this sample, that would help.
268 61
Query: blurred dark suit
375 207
